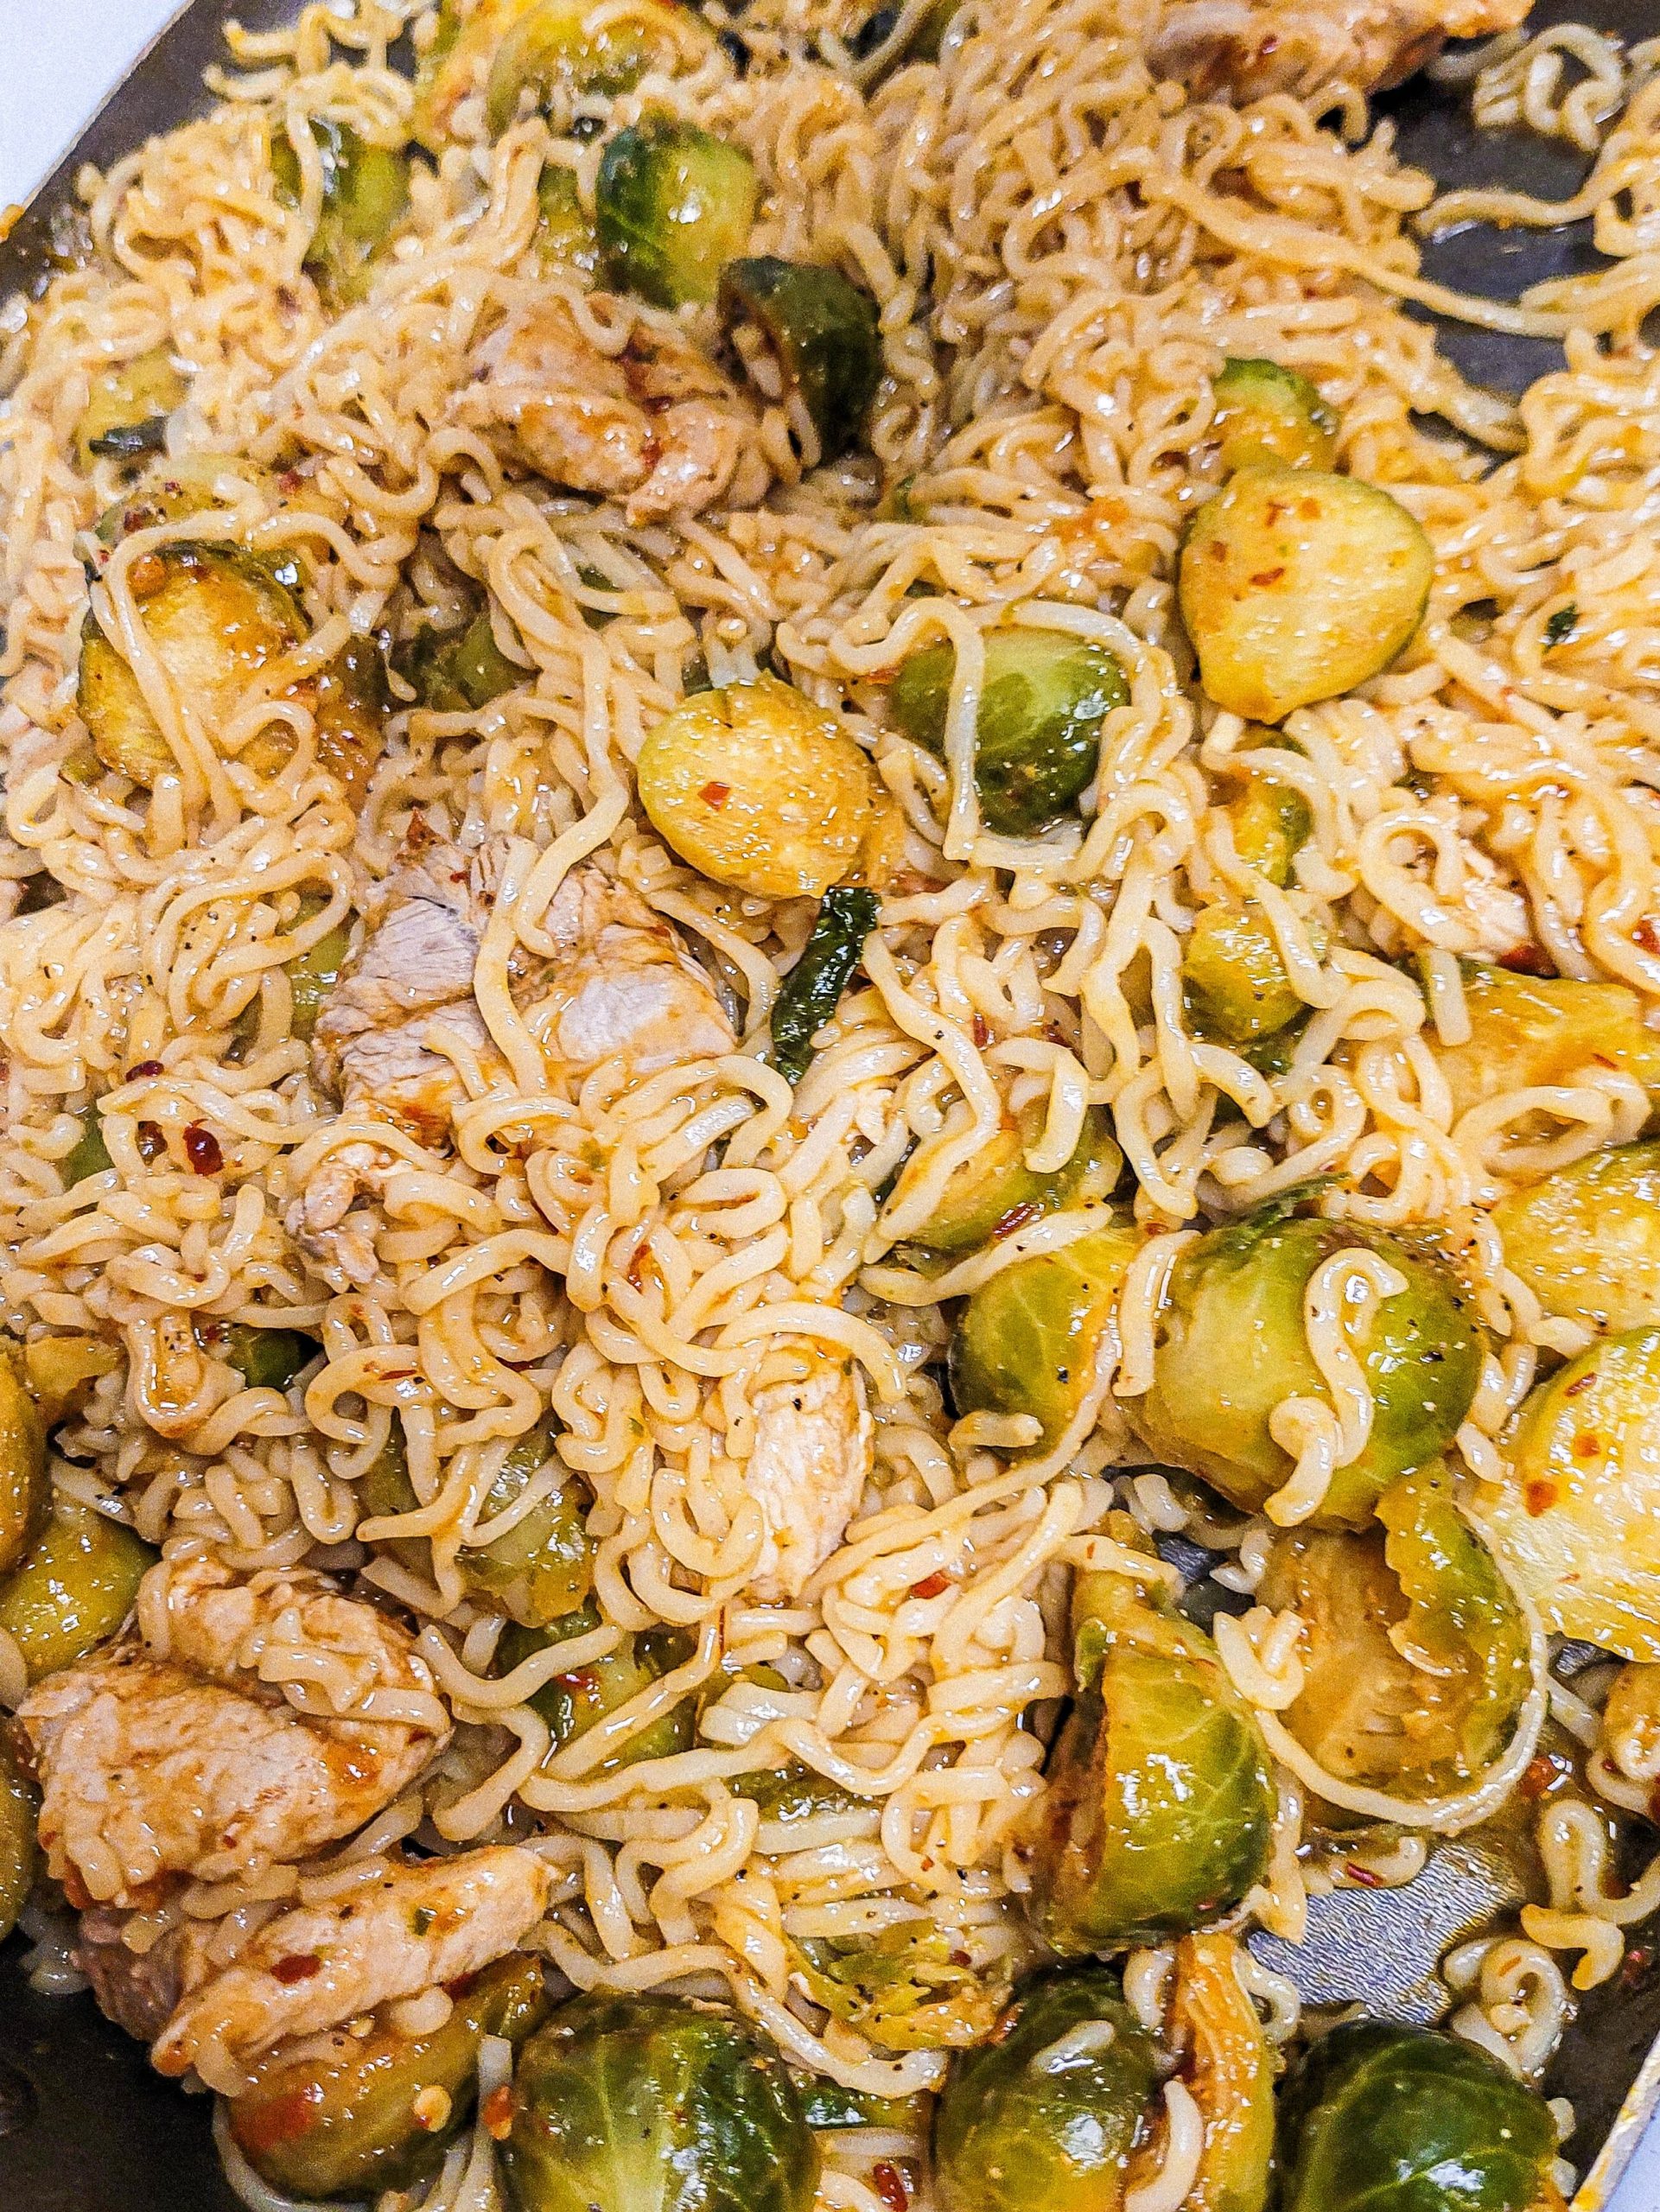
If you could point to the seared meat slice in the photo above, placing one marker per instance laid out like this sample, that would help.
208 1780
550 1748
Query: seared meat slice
1243 49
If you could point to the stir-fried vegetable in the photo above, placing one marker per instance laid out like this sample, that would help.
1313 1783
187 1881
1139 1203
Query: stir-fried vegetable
60 1368
342 2120
22 1465
181 486
755 787
812 991
809 336
554 53
126 416
1527 1031
1037 734
1044 2117
566 238
1234 975
19 1808
1267 414
459 671
72 1588
994 1193
1586 1240
1028 1340
1415 1650
1577 1527
366 196
827 2105
1271 822
674 206
577 1700
1235 1346
655 2104
905 1988
1229 2071
1161 1800
1400 2120
1296 585
89 1154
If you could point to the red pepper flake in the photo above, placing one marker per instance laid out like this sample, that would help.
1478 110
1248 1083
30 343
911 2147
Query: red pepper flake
1587 1444
262 2123
1639 1957
202 1150
146 575
496 2114
930 1585
1538 1496
1580 1383
1017 1217
1266 578
298 1965
1364 1878
1526 959
145 1068
716 795
1542 1774
581 1681
890 2186
1647 934
981 1030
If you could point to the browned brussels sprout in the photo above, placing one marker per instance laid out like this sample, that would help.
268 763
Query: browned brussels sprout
807 336
655 2104
1027 1341
1160 1808
1296 585
1235 1346
1530 1030
1229 2071
1265 413
554 54
1586 1240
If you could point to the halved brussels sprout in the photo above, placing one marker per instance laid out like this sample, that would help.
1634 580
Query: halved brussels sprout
19 1808
181 486
552 50
269 1359
540 1571
905 1988
23 1466
126 416
1044 2117
1160 1800
655 2104
1229 2071
1416 1654
996 1192
812 990
1037 736
755 787
1265 413
312 976
573 1703
1577 1527
1296 585
1402 2119
216 617
674 205
1233 976
1527 1031
1272 822
60 1369
72 1588
339 2121
459 671
1027 1341
1234 1346
453 67
809 336
365 197
565 235
1587 1239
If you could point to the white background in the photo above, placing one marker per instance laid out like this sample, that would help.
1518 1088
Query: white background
61 58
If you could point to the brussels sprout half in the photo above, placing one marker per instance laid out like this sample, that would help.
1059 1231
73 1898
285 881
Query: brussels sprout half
1416 1654
1028 1340
1268 414
1234 977
753 786
365 197
1037 736
652 2104
673 206
19 1809
1296 585
269 1359
127 413
72 1588
1044 2117
1160 1808
1272 822
566 238
1234 1346
905 1988
1577 1527
805 335
340 2121
24 1494
994 1193
553 54
1402 2120
1586 1240
1527 1030
574 1702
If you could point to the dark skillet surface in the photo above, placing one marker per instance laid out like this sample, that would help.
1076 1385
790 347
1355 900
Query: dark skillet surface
85 2125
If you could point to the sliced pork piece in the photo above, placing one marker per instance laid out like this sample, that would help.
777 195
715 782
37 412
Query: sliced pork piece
1243 49
809 1462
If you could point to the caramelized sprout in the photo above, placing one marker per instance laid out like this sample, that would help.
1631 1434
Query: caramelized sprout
810 337
994 1193
674 206
1527 1031
1268 414
1028 1341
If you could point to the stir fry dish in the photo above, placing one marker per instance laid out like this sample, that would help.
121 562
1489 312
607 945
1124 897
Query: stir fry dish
829 983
